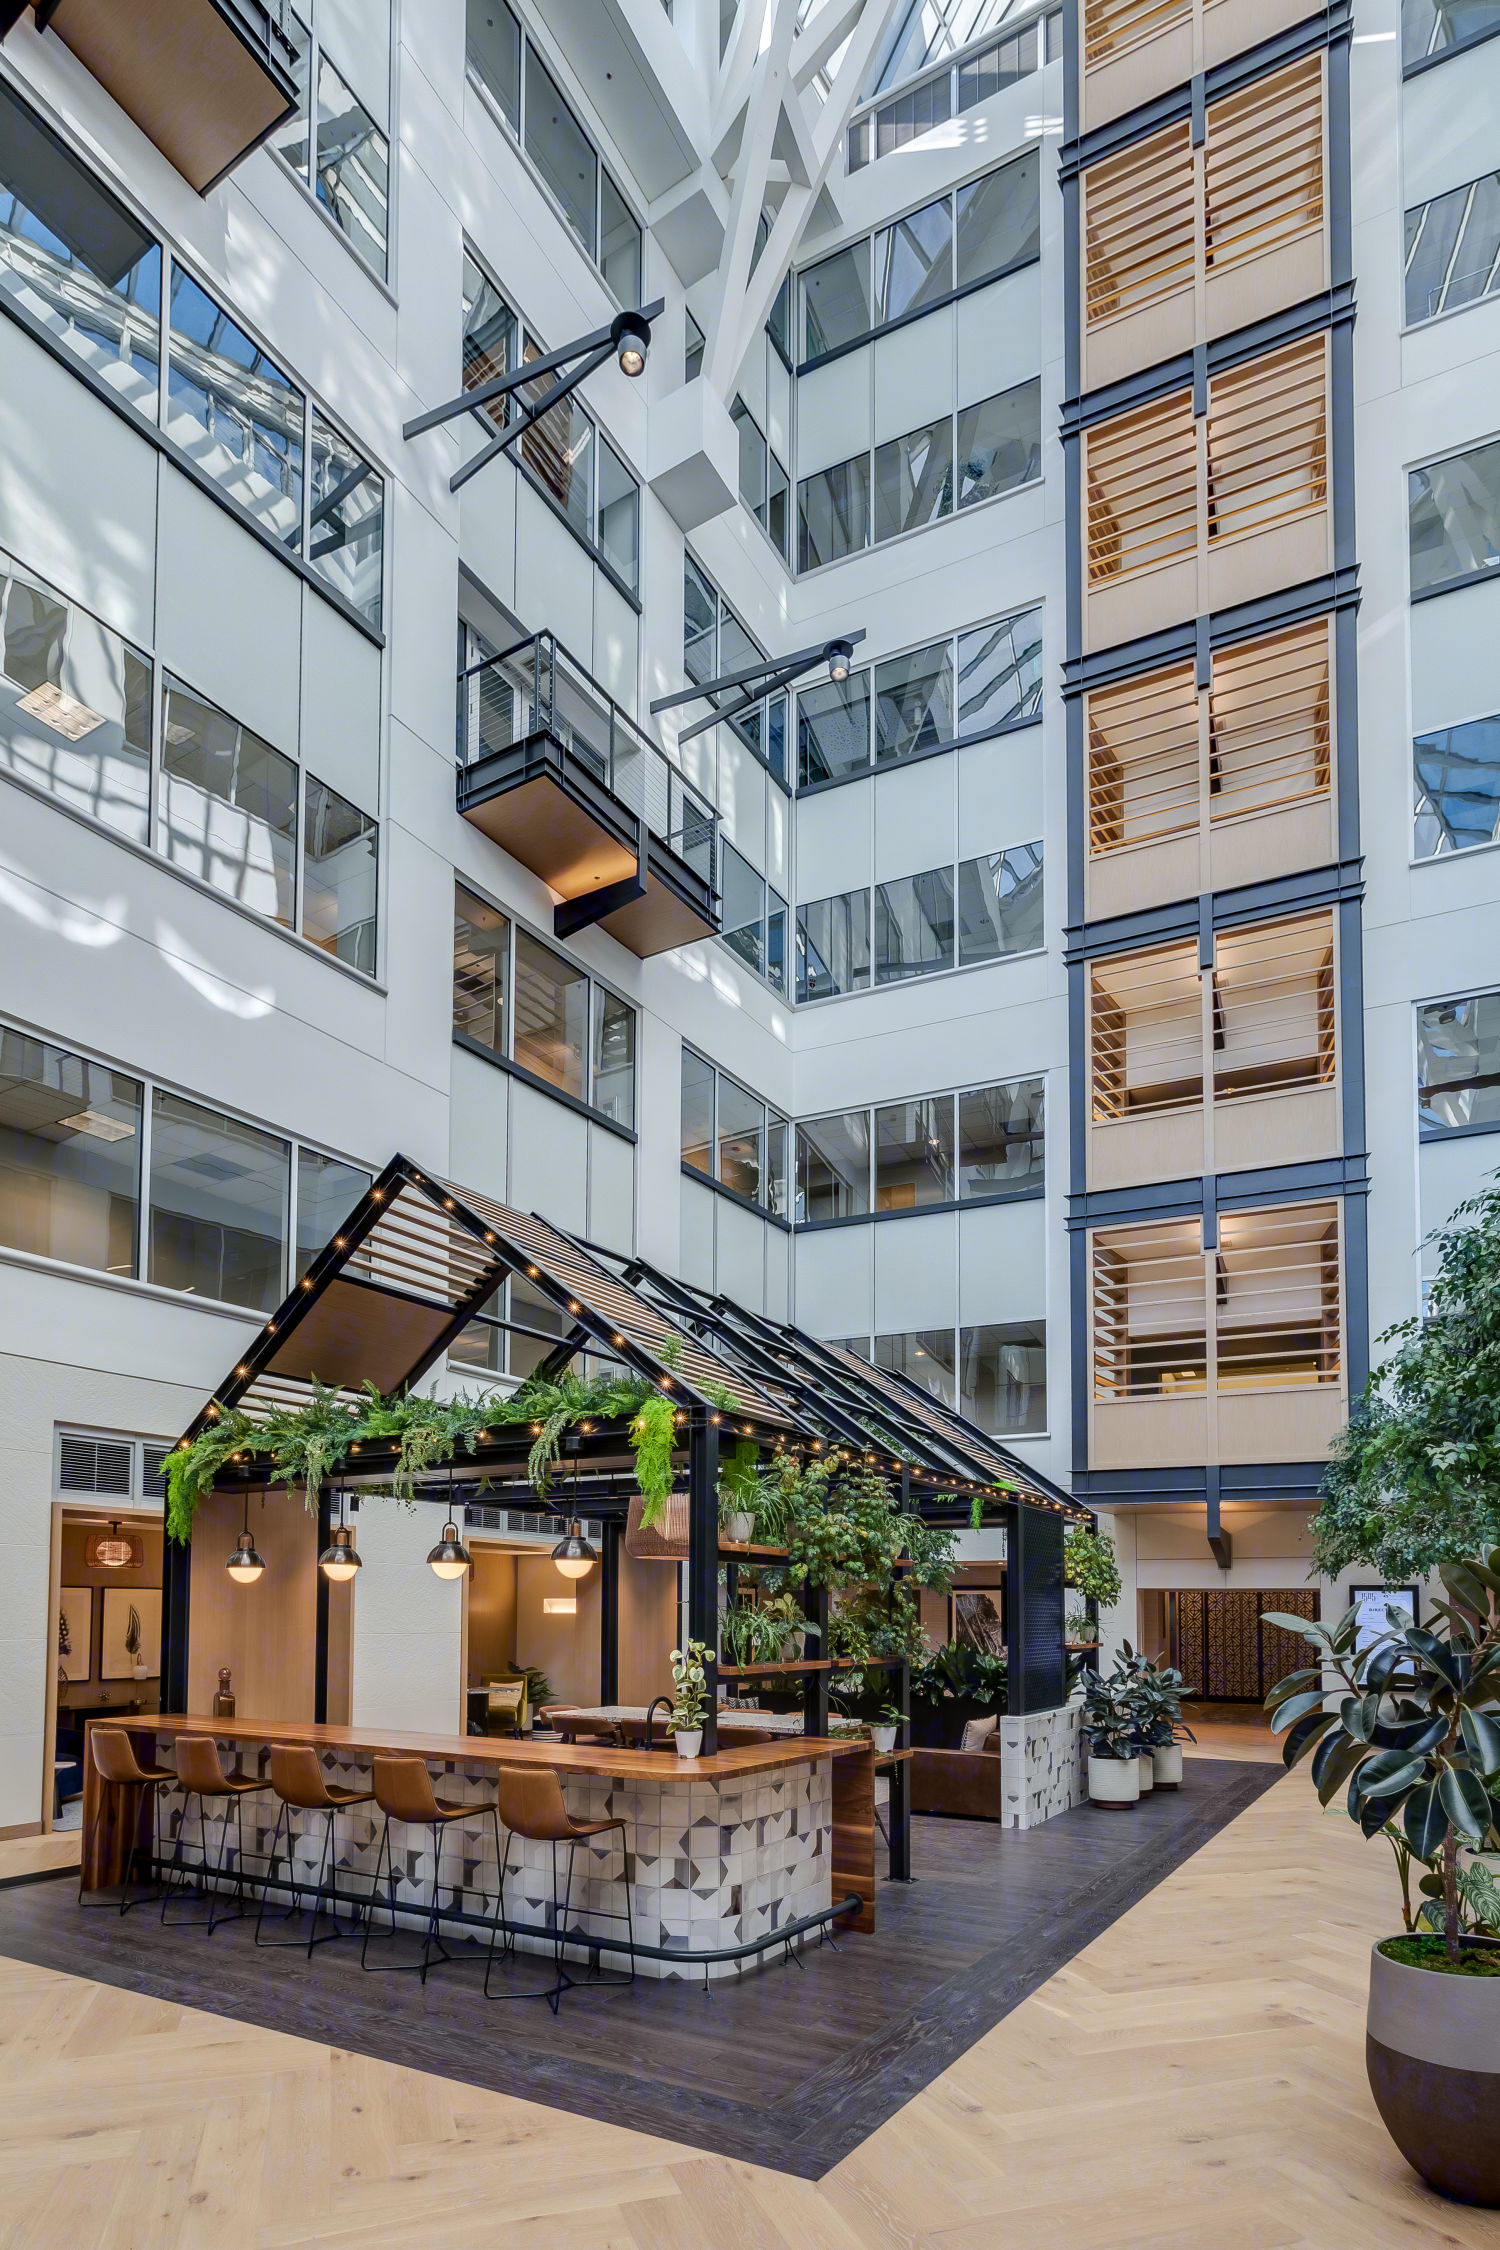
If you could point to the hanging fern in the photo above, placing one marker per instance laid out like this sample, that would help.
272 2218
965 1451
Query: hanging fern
652 1432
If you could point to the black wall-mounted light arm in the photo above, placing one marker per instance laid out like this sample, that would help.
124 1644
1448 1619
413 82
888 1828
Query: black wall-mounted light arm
756 681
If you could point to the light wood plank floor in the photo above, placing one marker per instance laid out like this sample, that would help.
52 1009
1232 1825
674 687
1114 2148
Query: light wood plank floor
1193 2081
37 1855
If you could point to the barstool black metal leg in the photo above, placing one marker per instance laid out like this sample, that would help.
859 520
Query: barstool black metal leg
234 1809
323 1872
177 1861
283 1812
382 1850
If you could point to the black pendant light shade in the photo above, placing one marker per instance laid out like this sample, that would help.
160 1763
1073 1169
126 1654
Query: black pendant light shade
574 1557
450 1558
246 1564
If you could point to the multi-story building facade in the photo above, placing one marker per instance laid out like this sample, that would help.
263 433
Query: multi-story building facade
1066 1008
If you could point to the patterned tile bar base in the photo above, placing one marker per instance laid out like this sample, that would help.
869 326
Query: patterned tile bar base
1041 1765
710 1864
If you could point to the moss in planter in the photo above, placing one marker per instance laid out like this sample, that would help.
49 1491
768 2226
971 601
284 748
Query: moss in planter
1428 1953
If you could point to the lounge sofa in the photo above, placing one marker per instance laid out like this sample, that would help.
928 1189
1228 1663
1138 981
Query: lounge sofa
965 1782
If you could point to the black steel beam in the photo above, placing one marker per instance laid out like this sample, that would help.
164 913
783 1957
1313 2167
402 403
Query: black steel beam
703 1556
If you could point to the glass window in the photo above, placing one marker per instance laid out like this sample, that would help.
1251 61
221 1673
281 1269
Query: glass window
347 526
619 243
1001 1143
776 914
559 449
779 326
230 407
619 517
481 934
614 1057
70 1156
858 1346
914 703
490 341
1000 443
75 259
999 674
218 1205
833 729
1453 249
528 1307
911 115
75 704
833 945
1000 904
1430 26
742 1139
833 513
697 1113
914 926
692 348
1456 775
744 895
481 1346
777 1134
492 42
752 460
925 1358
833 1167
1458 1064
914 261
340 855
353 167
996 68
228 805
551 1015
290 137
836 301
778 517
1003 1377
700 623
914 1153
560 150
999 222
327 1192
913 480
1454 508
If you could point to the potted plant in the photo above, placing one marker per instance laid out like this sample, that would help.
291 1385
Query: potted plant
739 1482
754 1633
883 1729
689 1697
1156 1690
955 1684
1109 1731
1080 1629
1414 1743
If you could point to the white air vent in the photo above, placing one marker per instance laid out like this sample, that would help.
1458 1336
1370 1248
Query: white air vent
512 1520
97 1465
154 1471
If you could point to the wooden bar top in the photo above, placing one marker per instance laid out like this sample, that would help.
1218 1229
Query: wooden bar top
505 1750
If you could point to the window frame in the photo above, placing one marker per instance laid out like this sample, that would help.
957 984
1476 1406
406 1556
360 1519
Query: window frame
1429 1135
960 741
308 13
1032 1192
863 1347
771 1117
1048 21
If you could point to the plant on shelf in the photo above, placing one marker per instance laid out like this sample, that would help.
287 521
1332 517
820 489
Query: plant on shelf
652 1432
1080 1628
1089 1561
689 1693
1414 1743
739 1487
754 1632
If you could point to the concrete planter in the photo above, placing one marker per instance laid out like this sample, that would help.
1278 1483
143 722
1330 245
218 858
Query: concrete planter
1432 2049
1147 1767
1114 1781
1167 1765
739 1529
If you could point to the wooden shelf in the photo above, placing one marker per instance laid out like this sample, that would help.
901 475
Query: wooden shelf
811 1664
728 1549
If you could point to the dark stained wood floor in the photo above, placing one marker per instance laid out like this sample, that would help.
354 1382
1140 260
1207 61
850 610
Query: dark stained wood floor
790 2067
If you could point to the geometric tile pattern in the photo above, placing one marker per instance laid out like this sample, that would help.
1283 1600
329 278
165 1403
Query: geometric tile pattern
1041 1765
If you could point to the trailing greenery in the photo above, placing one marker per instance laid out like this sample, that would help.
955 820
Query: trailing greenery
1091 1567
652 1430
739 1480
1414 1480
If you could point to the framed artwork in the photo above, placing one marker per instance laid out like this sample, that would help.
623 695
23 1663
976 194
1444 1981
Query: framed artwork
131 1646
75 1631
977 1619
1373 1602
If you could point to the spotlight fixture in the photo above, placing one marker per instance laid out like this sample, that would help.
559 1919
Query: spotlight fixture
246 1564
630 333
839 654
574 1557
450 1558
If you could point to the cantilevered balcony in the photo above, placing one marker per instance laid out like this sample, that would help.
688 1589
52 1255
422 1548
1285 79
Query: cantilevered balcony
205 80
552 770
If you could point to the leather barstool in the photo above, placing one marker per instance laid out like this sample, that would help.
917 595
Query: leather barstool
298 1780
202 1775
530 1802
115 1761
404 1792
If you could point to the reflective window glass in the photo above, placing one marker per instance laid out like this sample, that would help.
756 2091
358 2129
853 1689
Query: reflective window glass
290 138
228 805
914 1153
914 926
490 341
1456 775
327 1192
776 923
1458 1064
529 1309
911 115
913 480
560 149
744 894
70 1156
836 301
551 1016
614 1057
833 729
481 935
619 517
924 1357
492 44
1001 1143
353 183
833 1167
559 449
833 513
218 1212
914 703
914 261
1000 443
752 460
1453 249
692 348
1003 1377
777 1135
999 223
1454 509
230 407
700 623
75 704
1428 27
833 945
742 1138
347 525
778 517
1000 904
697 1113
340 857
999 674
619 243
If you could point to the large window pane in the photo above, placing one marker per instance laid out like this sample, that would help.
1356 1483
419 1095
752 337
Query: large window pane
218 1205
778 1134
327 1191
744 894
70 1156
1000 904
492 43
836 301
291 139
233 411
914 703
614 1057
914 926
778 517
1003 1377
619 243
697 1113
347 525
742 1141
913 480
1458 1064
914 1154
910 116
481 935
490 342
693 341
776 925
1453 249
1455 516
833 513
999 221
560 150
75 704
1001 1143
833 729
914 261
228 805
752 460
559 450
552 1014
700 623
1430 26
999 674
924 1357
1000 443
75 259
833 1167
354 169
619 517
340 854
530 1309
833 945
1456 773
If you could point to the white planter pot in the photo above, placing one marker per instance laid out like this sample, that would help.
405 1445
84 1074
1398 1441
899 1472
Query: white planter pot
884 1738
739 1529
1114 1781
688 1743
1167 1762
1148 1774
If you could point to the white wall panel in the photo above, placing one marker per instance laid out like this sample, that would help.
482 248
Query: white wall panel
916 1274
778 1274
1455 657
611 1189
616 636
835 1281
1002 1262
408 1625
1450 124
833 841
1000 335
554 576
1000 790
697 1258
548 1159
914 375
340 704
487 519
779 408
1448 1173
778 839
479 1104
229 615
742 798
833 412
914 818
741 1272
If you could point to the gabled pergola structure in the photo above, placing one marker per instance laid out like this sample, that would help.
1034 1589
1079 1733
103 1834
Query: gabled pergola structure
419 1257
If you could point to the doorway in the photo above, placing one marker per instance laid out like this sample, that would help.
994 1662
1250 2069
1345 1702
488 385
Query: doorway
1217 1641
106 1637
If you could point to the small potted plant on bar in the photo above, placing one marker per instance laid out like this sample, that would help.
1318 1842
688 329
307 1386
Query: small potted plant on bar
1109 1730
883 1729
689 1698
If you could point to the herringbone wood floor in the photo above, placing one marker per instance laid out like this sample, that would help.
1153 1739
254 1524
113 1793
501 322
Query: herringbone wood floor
1192 2081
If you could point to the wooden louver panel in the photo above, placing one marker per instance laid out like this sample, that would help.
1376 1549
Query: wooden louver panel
1146 1032
1111 28
1150 1327
1139 220
1142 489
1273 1007
1263 166
1276 1298
1143 760
1268 441
1270 723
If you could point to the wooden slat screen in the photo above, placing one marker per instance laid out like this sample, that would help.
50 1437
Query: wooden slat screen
1268 441
1276 1285
1150 1321
1146 1032
1263 166
1270 722
1143 760
1273 1007
1140 215
1142 488
1111 28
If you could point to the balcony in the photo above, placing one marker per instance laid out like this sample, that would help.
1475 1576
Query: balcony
205 80
555 773
1134 50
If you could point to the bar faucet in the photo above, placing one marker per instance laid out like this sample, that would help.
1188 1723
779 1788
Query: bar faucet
651 1713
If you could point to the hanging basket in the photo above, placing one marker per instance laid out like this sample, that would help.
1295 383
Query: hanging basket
666 1541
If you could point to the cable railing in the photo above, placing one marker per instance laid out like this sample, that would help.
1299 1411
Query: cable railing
535 687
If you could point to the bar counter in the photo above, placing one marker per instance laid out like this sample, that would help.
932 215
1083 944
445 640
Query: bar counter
721 1852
